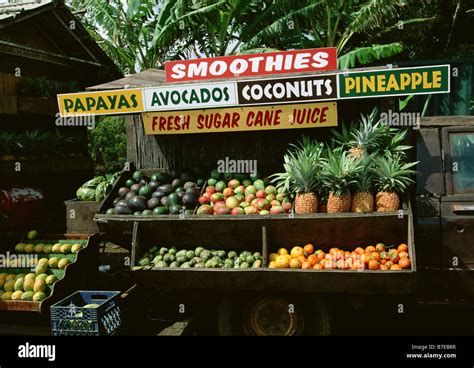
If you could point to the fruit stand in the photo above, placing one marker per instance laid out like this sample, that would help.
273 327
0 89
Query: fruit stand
185 229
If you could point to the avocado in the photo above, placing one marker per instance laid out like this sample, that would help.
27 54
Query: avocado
122 202
161 210
137 174
130 194
189 184
176 183
175 209
161 178
152 203
122 192
166 188
137 213
122 210
180 190
145 191
194 191
189 200
165 201
200 182
137 203
135 188
143 180
153 185
110 211
174 198
116 200
147 212
129 183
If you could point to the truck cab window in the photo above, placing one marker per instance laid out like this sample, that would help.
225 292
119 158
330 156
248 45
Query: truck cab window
462 154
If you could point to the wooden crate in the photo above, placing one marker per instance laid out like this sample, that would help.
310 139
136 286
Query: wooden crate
80 216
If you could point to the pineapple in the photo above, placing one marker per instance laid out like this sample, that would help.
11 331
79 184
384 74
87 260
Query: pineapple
368 136
339 170
302 167
392 177
363 200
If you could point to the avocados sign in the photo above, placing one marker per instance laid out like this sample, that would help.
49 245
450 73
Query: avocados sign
314 115
190 96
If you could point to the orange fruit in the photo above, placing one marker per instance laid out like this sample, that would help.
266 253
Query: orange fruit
302 259
347 254
282 251
308 249
282 262
323 263
320 254
329 265
385 255
272 264
394 257
306 265
365 258
383 261
389 264
318 266
373 265
339 255
273 257
313 259
383 268
380 247
403 255
402 248
375 255
404 263
296 252
395 268
359 250
370 249
340 264
295 263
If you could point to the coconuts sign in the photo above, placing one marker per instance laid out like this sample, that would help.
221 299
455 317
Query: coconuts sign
242 119
287 90
190 96
281 62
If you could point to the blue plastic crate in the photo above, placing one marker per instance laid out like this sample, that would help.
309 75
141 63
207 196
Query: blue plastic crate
70 318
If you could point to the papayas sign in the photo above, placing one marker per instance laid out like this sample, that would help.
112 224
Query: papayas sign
268 63
101 103
247 119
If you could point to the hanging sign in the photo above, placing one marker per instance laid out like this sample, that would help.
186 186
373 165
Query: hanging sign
395 82
190 96
101 103
287 90
281 62
242 119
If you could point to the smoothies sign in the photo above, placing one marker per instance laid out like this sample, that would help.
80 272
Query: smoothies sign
283 62
242 119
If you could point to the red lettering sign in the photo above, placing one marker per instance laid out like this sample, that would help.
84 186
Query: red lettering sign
282 62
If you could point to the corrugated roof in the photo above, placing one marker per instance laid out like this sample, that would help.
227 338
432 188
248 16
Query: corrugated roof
11 10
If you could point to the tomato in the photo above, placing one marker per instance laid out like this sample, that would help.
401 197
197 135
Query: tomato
383 268
365 258
359 250
340 264
402 248
320 254
403 255
373 265
333 252
395 268
313 259
318 266
306 265
404 263
301 259
375 256
380 247
385 256
389 264
394 257
308 249
370 249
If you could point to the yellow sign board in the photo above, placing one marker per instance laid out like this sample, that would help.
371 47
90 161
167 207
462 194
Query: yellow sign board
314 115
101 103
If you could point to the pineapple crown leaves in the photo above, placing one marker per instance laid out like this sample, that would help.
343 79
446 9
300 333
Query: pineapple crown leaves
342 138
365 177
369 134
339 171
302 167
392 174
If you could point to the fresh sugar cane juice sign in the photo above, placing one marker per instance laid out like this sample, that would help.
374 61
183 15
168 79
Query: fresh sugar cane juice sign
287 90
242 119
281 62
101 103
395 82
190 96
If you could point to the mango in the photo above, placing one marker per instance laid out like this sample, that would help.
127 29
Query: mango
41 268
39 296
63 262
17 295
53 262
39 248
7 295
51 279
9 285
19 284
66 248
39 286
29 248
56 248
75 248
29 284
27 296
20 248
